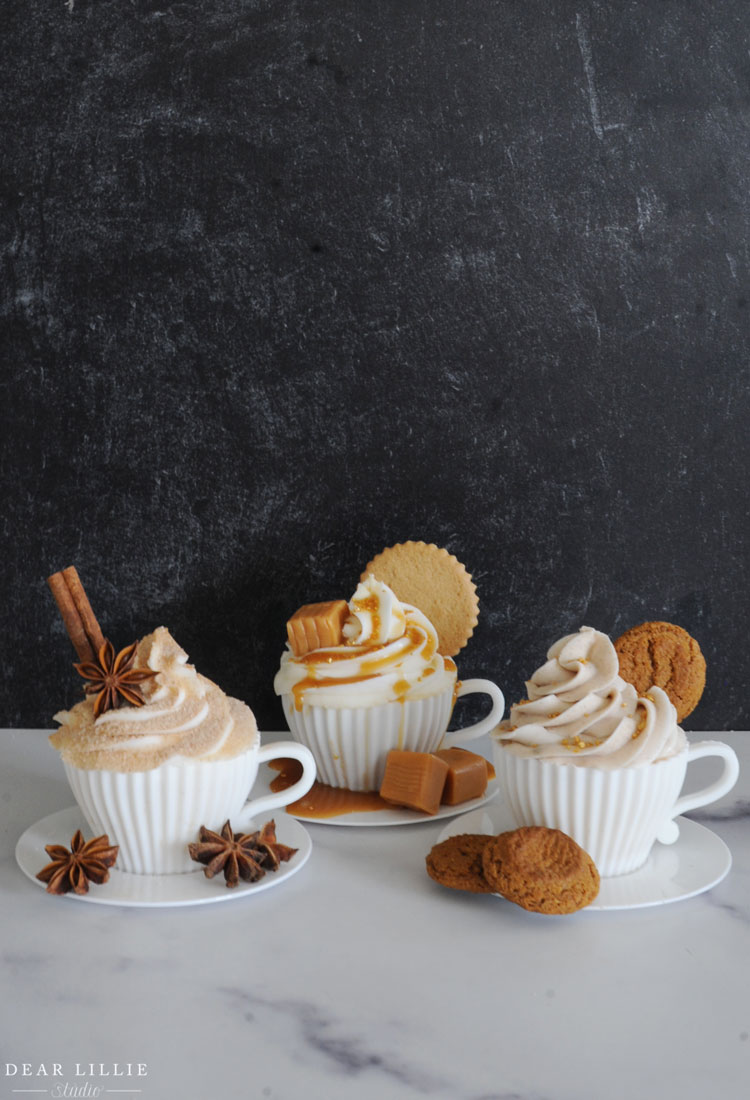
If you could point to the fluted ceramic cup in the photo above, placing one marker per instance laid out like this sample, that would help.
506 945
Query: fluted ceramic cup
153 815
615 815
350 744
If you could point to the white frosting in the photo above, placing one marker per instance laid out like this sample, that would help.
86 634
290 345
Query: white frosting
579 710
185 715
376 616
389 654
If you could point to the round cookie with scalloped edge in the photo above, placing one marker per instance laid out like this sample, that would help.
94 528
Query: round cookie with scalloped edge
436 583
657 654
542 870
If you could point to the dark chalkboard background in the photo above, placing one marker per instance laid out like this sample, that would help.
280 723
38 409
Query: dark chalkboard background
285 282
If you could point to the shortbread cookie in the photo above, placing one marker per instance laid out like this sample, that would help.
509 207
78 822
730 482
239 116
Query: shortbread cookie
540 869
434 581
457 863
665 656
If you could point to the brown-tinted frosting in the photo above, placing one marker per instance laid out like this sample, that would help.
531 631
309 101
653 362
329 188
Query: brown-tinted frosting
580 711
185 717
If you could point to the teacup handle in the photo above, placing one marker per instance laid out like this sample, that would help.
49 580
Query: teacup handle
670 830
484 725
274 751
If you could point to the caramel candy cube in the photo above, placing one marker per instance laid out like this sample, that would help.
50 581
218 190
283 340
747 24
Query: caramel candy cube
466 778
317 626
414 779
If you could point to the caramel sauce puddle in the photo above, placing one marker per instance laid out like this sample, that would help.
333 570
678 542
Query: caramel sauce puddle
322 801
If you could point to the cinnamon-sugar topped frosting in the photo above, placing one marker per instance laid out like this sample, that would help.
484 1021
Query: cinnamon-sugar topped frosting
185 716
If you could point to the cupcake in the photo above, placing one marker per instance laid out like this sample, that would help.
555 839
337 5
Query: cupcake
586 754
378 683
157 750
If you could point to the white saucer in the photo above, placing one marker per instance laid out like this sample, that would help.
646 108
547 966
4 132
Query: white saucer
697 861
154 891
399 815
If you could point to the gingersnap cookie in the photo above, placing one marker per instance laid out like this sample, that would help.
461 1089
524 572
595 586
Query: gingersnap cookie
436 583
457 863
666 656
540 869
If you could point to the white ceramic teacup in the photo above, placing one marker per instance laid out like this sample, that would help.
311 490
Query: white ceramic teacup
615 815
153 815
350 744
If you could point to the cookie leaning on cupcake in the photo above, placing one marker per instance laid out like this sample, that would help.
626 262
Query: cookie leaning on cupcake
436 582
663 655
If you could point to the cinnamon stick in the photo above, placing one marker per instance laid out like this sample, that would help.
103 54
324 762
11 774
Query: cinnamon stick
77 614
85 610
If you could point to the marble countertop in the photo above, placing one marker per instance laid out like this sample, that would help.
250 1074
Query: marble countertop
361 977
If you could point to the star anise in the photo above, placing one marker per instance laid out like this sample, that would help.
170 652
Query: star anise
112 678
275 853
87 861
244 856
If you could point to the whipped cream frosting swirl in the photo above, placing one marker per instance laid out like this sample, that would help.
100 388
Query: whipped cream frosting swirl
580 711
185 716
389 654
376 616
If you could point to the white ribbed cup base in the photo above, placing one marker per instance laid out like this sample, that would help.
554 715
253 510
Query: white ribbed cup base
350 744
614 815
154 815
